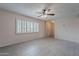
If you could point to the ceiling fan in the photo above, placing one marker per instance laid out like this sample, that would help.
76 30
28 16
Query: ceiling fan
46 11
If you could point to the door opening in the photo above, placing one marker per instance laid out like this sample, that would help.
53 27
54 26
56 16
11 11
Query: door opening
50 29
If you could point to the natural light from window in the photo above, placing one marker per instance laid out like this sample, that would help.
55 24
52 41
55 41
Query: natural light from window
25 26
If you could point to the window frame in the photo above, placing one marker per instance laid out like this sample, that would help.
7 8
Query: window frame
16 30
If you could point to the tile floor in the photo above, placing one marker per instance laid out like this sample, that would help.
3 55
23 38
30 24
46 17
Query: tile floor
42 47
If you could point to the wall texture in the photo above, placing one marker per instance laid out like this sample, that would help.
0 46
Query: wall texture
7 29
67 29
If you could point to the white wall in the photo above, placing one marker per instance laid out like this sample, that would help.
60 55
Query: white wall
7 29
67 28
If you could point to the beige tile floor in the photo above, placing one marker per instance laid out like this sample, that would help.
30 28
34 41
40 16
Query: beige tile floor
42 47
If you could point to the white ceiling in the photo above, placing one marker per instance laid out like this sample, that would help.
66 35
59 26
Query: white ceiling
31 9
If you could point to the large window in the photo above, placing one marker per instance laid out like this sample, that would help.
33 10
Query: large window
25 26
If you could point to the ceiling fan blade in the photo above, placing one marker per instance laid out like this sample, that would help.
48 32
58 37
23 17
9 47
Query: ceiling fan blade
51 14
39 15
39 12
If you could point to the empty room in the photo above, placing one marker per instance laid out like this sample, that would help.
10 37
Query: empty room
39 29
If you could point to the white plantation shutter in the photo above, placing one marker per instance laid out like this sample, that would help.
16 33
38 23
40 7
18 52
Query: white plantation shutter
18 26
25 26
37 27
32 27
28 26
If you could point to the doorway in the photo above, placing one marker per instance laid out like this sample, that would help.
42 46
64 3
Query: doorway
50 29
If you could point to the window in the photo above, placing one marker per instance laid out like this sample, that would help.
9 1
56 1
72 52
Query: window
18 26
28 26
37 27
32 26
25 26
